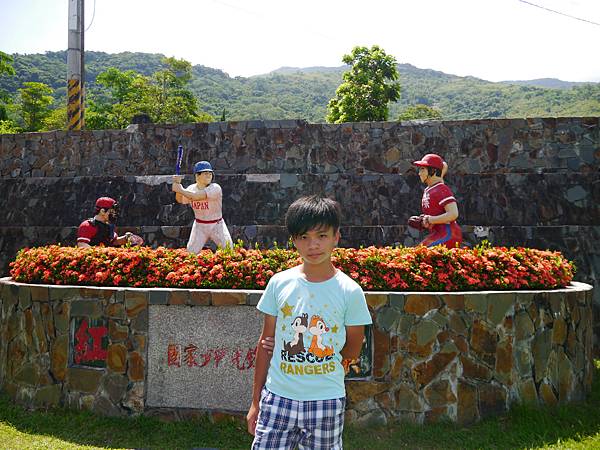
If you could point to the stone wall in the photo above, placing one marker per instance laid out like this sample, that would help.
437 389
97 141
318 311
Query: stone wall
436 356
295 146
533 182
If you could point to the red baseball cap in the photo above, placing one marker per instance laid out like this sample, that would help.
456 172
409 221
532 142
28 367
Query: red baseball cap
105 202
431 160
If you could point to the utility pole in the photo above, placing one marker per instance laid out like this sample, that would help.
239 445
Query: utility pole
75 66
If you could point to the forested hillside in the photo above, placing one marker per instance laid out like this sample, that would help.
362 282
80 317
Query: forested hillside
290 93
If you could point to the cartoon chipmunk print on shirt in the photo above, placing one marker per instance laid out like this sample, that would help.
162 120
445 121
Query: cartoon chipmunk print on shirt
296 345
296 359
317 329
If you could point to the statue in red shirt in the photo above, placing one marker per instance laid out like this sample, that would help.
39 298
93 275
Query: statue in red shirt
438 205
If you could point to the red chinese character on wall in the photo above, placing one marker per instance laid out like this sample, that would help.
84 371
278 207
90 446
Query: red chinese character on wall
250 357
88 343
189 356
247 362
174 355
219 354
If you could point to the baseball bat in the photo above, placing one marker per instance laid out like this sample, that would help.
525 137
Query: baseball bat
179 158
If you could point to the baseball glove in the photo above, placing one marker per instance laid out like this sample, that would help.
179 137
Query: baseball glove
134 240
417 222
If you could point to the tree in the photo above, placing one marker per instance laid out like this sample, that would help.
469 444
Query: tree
8 127
368 87
34 101
164 97
6 69
175 103
420 112
56 119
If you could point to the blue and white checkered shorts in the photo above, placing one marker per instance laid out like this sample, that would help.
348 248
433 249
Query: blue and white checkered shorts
311 424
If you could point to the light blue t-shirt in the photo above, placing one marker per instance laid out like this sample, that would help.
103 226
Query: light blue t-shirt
310 333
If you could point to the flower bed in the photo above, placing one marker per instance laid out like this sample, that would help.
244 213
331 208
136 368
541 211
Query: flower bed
375 269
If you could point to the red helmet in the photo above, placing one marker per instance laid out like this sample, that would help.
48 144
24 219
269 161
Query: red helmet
431 160
105 202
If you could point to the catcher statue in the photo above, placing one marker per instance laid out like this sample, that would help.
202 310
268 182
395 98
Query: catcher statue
438 204
100 229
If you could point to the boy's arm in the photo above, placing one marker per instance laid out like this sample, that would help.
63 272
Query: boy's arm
263 359
355 335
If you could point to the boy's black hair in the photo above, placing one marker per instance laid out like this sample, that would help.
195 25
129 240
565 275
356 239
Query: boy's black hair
310 212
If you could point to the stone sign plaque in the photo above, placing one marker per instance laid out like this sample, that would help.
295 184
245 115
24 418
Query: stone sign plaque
89 342
202 357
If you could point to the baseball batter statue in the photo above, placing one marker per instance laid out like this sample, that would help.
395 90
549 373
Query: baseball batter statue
206 200
100 229
438 204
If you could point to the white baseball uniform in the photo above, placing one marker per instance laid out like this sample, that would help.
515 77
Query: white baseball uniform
209 222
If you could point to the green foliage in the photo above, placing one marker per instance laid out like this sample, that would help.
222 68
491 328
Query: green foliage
292 93
8 127
368 88
34 102
420 112
56 119
6 67
164 97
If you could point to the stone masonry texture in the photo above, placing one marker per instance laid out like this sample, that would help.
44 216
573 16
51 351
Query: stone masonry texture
456 357
530 182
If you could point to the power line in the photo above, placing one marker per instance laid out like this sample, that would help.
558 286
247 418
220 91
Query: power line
93 15
561 13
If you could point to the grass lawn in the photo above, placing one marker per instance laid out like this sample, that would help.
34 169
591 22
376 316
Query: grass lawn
575 426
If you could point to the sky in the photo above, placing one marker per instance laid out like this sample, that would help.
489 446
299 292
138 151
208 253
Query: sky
494 40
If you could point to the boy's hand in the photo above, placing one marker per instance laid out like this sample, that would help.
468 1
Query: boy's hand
177 178
251 418
268 344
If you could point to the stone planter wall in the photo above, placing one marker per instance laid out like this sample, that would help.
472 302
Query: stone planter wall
436 356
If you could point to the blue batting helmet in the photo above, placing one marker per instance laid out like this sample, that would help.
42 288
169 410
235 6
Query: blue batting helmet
202 166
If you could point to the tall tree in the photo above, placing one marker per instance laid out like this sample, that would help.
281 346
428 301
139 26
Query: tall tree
368 87
34 101
174 102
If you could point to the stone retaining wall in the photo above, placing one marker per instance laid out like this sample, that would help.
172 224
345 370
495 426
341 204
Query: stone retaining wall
436 356
536 181
295 146
366 200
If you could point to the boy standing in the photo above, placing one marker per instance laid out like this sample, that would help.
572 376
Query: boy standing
317 315
206 199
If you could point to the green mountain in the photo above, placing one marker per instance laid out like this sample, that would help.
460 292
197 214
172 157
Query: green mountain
294 93
552 83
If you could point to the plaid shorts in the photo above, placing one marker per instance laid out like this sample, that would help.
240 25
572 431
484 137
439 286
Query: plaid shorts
311 424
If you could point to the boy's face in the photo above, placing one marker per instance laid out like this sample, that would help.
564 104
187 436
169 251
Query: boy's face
315 246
